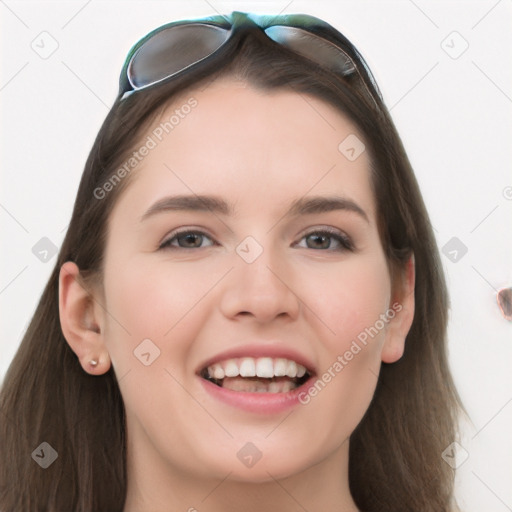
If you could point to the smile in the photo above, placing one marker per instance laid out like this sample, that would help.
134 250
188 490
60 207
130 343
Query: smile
269 381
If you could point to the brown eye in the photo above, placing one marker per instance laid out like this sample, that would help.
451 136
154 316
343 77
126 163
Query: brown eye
187 240
317 241
327 240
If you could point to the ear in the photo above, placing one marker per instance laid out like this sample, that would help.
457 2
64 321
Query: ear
82 321
403 306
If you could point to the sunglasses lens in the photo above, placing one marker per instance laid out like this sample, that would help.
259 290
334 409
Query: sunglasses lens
172 50
313 47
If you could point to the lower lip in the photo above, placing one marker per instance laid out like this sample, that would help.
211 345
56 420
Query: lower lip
261 403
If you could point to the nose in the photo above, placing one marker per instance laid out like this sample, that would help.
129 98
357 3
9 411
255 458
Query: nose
262 290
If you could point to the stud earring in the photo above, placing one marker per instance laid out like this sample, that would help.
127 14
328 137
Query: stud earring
93 363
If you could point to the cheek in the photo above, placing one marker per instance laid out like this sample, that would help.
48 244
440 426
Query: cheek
152 300
348 298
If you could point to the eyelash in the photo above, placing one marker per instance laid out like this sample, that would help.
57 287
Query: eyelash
344 241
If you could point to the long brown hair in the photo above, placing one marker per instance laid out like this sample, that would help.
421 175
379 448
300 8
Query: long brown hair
395 452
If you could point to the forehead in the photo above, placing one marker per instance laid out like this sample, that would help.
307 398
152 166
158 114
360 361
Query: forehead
233 140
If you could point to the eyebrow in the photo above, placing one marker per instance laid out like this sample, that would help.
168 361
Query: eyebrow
214 204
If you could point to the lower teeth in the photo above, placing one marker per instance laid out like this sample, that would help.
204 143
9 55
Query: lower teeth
255 385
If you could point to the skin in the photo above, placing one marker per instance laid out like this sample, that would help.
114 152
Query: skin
259 151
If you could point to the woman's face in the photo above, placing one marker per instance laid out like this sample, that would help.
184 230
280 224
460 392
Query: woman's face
247 242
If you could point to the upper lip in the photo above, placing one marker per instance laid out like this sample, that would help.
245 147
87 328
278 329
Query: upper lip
256 351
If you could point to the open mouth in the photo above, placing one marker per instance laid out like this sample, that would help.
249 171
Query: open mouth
257 375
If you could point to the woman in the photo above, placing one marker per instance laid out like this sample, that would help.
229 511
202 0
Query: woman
248 311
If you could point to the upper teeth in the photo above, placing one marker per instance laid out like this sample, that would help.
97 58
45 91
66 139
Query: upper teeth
265 367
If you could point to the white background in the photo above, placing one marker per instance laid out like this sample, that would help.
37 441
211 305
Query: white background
454 116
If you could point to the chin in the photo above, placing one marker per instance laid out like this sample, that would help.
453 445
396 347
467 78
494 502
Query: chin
246 463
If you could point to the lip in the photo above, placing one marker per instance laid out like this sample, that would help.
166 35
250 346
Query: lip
260 403
259 350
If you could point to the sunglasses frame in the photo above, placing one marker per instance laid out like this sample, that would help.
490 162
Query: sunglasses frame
236 24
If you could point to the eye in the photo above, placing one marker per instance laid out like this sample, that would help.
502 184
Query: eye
327 239
187 240
324 239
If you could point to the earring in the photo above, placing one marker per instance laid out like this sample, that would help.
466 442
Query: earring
93 363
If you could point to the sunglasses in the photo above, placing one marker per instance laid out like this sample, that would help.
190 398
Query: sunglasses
173 49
